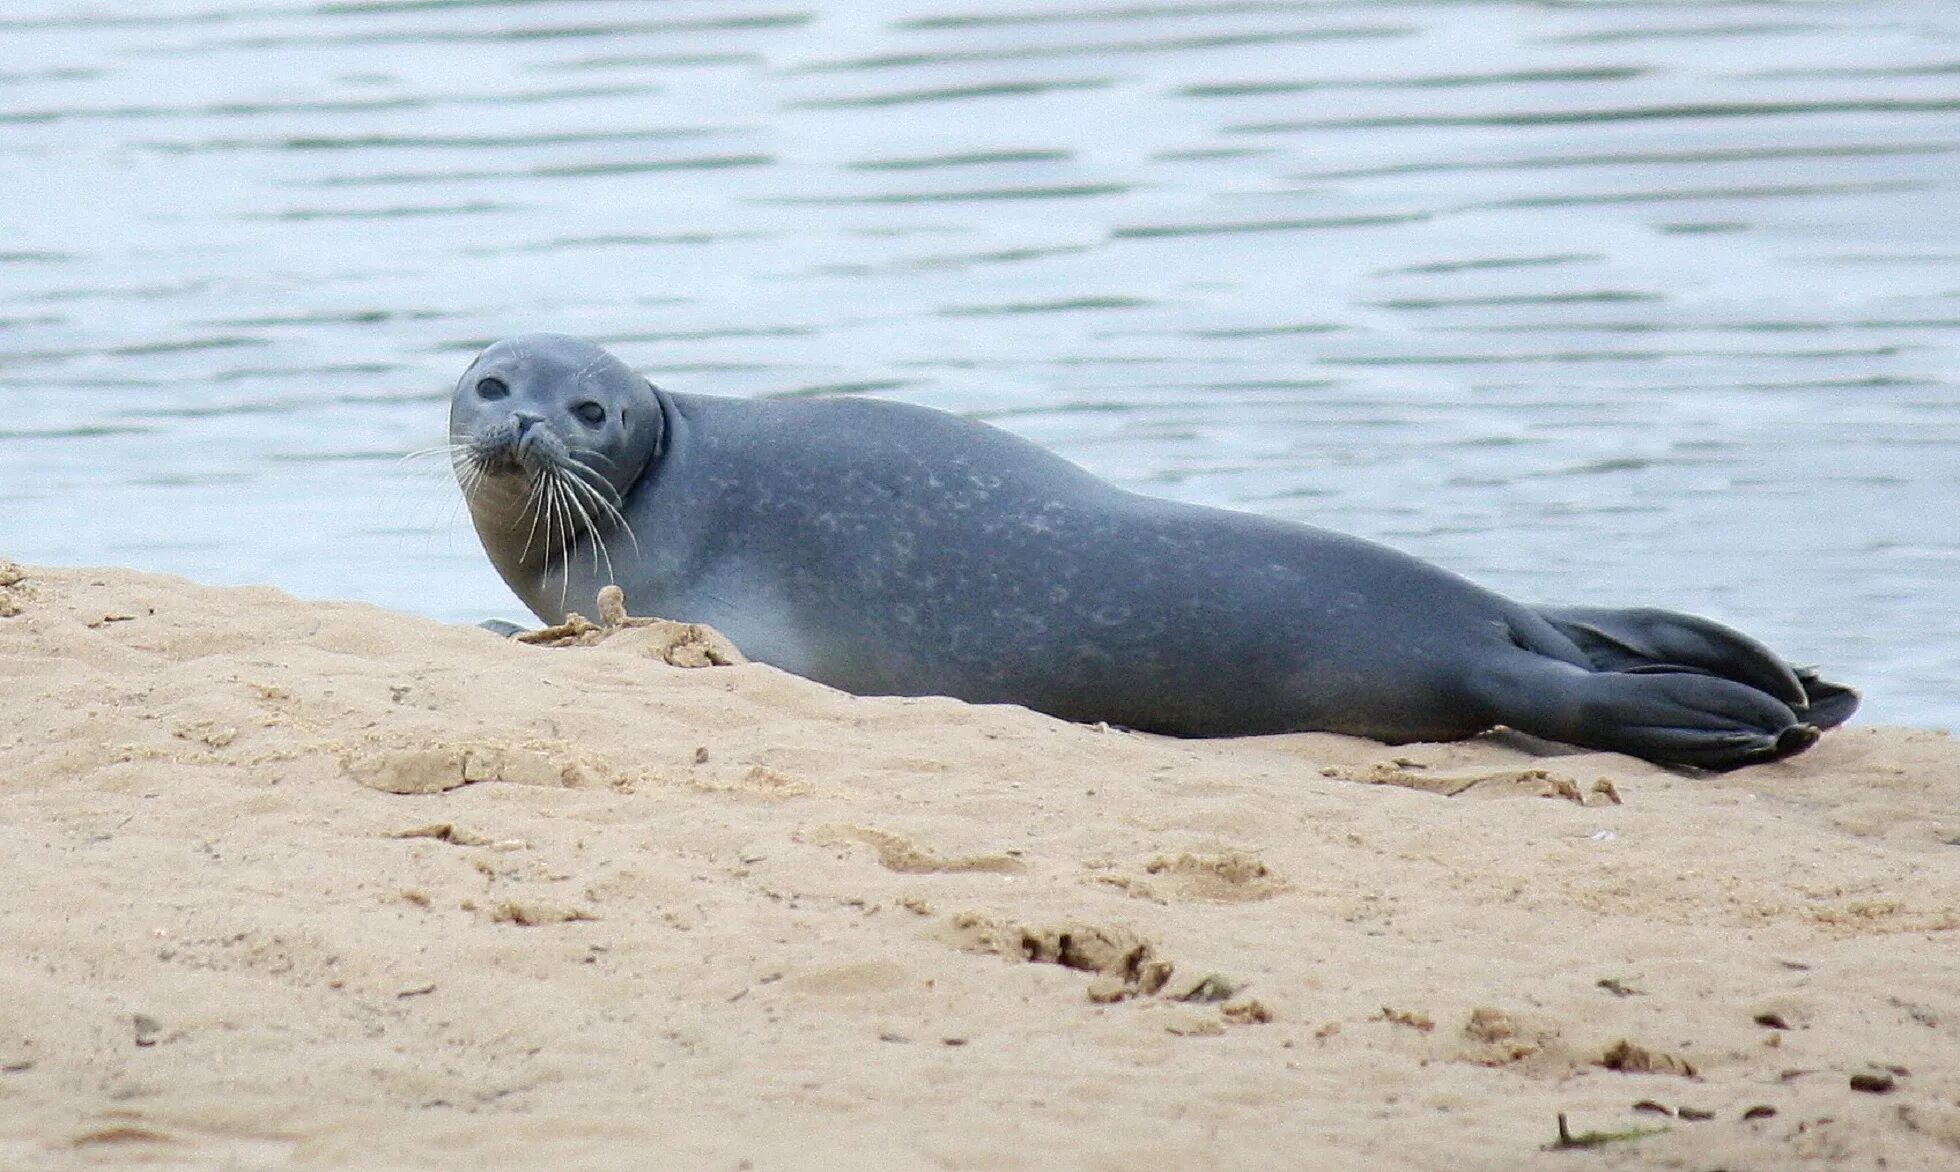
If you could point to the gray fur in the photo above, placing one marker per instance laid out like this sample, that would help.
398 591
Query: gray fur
888 549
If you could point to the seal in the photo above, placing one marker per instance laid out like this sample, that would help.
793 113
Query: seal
889 549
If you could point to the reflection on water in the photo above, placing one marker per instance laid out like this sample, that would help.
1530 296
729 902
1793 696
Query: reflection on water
1627 302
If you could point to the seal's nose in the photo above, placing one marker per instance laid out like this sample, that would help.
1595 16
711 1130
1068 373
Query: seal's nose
525 421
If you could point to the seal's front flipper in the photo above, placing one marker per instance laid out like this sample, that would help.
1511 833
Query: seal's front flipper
1647 640
508 630
1680 717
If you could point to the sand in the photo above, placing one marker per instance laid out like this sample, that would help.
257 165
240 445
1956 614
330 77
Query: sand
294 884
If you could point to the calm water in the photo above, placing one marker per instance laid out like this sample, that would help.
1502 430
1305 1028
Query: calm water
1604 302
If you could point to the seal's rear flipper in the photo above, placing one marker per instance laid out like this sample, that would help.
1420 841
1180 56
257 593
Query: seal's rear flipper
1678 717
1647 640
1643 639
1829 704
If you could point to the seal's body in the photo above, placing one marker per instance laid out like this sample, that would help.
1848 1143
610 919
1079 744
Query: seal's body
888 549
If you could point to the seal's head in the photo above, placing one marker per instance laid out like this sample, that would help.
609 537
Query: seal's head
548 434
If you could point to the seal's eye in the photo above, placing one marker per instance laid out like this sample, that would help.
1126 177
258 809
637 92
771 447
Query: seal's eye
491 388
591 412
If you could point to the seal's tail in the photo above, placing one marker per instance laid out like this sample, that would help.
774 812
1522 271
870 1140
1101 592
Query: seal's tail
1667 687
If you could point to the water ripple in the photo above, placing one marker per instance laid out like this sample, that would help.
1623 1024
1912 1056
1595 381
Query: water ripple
958 93
1724 155
256 110
1432 81
1616 36
1482 263
1693 194
1115 13
392 212
1109 48
973 159
1654 113
542 32
1064 305
423 142
973 195
545 171
1231 228
1585 297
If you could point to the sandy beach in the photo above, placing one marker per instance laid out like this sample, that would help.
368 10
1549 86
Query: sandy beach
298 884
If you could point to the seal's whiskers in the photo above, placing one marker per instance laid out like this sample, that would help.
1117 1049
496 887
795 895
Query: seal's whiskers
597 501
569 487
561 510
534 505
603 494
468 467
582 496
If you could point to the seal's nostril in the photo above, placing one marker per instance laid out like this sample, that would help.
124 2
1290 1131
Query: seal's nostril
525 421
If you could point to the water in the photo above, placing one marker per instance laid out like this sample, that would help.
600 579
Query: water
1612 302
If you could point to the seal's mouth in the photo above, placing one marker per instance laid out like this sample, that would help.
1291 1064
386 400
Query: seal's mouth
533 450
507 451
500 465
502 462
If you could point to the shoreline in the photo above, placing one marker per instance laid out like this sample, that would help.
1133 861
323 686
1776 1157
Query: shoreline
304 881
